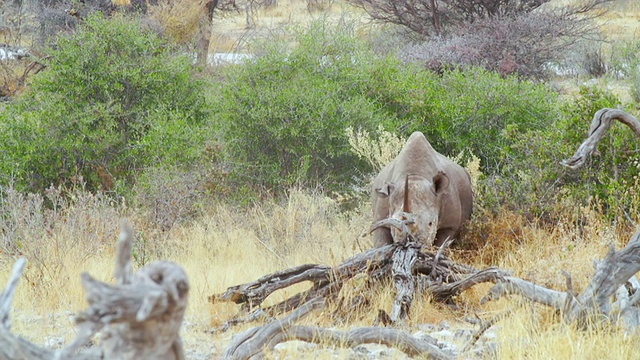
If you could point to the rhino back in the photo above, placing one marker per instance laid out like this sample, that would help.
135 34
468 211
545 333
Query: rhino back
417 157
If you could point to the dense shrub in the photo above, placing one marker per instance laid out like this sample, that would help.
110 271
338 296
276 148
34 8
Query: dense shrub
512 37
284 115
614 169
114 99
524 45
534 181
470 109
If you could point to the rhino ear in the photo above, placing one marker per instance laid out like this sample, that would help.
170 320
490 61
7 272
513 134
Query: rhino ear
440 182
385 190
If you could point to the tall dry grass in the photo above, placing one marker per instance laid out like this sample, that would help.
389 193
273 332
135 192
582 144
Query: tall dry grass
230 246
69 231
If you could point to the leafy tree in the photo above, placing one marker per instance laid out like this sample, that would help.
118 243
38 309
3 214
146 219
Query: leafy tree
114 99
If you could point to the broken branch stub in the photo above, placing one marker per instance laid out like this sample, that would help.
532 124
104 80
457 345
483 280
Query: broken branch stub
140 318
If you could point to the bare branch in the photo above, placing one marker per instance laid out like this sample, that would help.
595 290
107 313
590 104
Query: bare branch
6 298
602 121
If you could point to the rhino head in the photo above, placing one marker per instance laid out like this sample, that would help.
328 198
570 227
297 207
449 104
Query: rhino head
416 198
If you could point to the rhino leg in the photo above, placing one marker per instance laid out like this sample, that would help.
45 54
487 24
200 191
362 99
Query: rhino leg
443 234
382 237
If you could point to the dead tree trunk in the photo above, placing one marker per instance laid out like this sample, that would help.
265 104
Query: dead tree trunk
139 318
602 121
403 260
204 33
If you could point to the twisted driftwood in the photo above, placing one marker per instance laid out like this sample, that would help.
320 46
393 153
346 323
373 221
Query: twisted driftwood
602 121
613 293
139 318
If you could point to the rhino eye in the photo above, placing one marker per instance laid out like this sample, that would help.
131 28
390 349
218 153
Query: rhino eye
430 223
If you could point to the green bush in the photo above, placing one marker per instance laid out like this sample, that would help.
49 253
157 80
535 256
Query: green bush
284 115
607 175
534 181
470 109
114 99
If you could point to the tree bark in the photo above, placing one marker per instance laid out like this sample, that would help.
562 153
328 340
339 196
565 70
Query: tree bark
204 33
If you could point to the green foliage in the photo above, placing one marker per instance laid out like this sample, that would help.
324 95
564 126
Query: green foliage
607 175
284 115
471 109
535 182
113 99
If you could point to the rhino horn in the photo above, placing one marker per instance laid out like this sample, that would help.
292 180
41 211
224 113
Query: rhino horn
405 206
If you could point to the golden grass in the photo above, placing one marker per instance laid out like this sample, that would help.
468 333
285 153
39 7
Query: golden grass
231 246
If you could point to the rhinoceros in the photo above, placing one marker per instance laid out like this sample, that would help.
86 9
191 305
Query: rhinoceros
439 197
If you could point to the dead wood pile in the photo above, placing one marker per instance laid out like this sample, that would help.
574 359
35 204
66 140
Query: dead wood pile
139 318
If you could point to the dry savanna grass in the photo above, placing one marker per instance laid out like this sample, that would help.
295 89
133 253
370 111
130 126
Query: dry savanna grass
230 246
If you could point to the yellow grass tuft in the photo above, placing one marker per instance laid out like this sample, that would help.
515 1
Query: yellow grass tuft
180 18
378 150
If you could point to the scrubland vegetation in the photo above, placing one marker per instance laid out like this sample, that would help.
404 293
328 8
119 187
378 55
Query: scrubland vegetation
241 170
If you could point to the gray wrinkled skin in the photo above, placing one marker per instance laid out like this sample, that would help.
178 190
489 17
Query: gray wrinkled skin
440 194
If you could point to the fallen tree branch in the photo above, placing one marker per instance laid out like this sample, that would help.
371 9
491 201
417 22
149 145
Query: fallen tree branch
596 303
254 342
6 298
403 259
394 338
376 263
602 121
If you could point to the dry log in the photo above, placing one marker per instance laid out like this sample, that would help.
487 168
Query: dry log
597 302
602 121
253 343
13 347
139 318
326 280
376 263
403 259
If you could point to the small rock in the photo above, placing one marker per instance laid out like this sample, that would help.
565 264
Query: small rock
423 336
486 351
428 328
463 334
54 342
443 335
